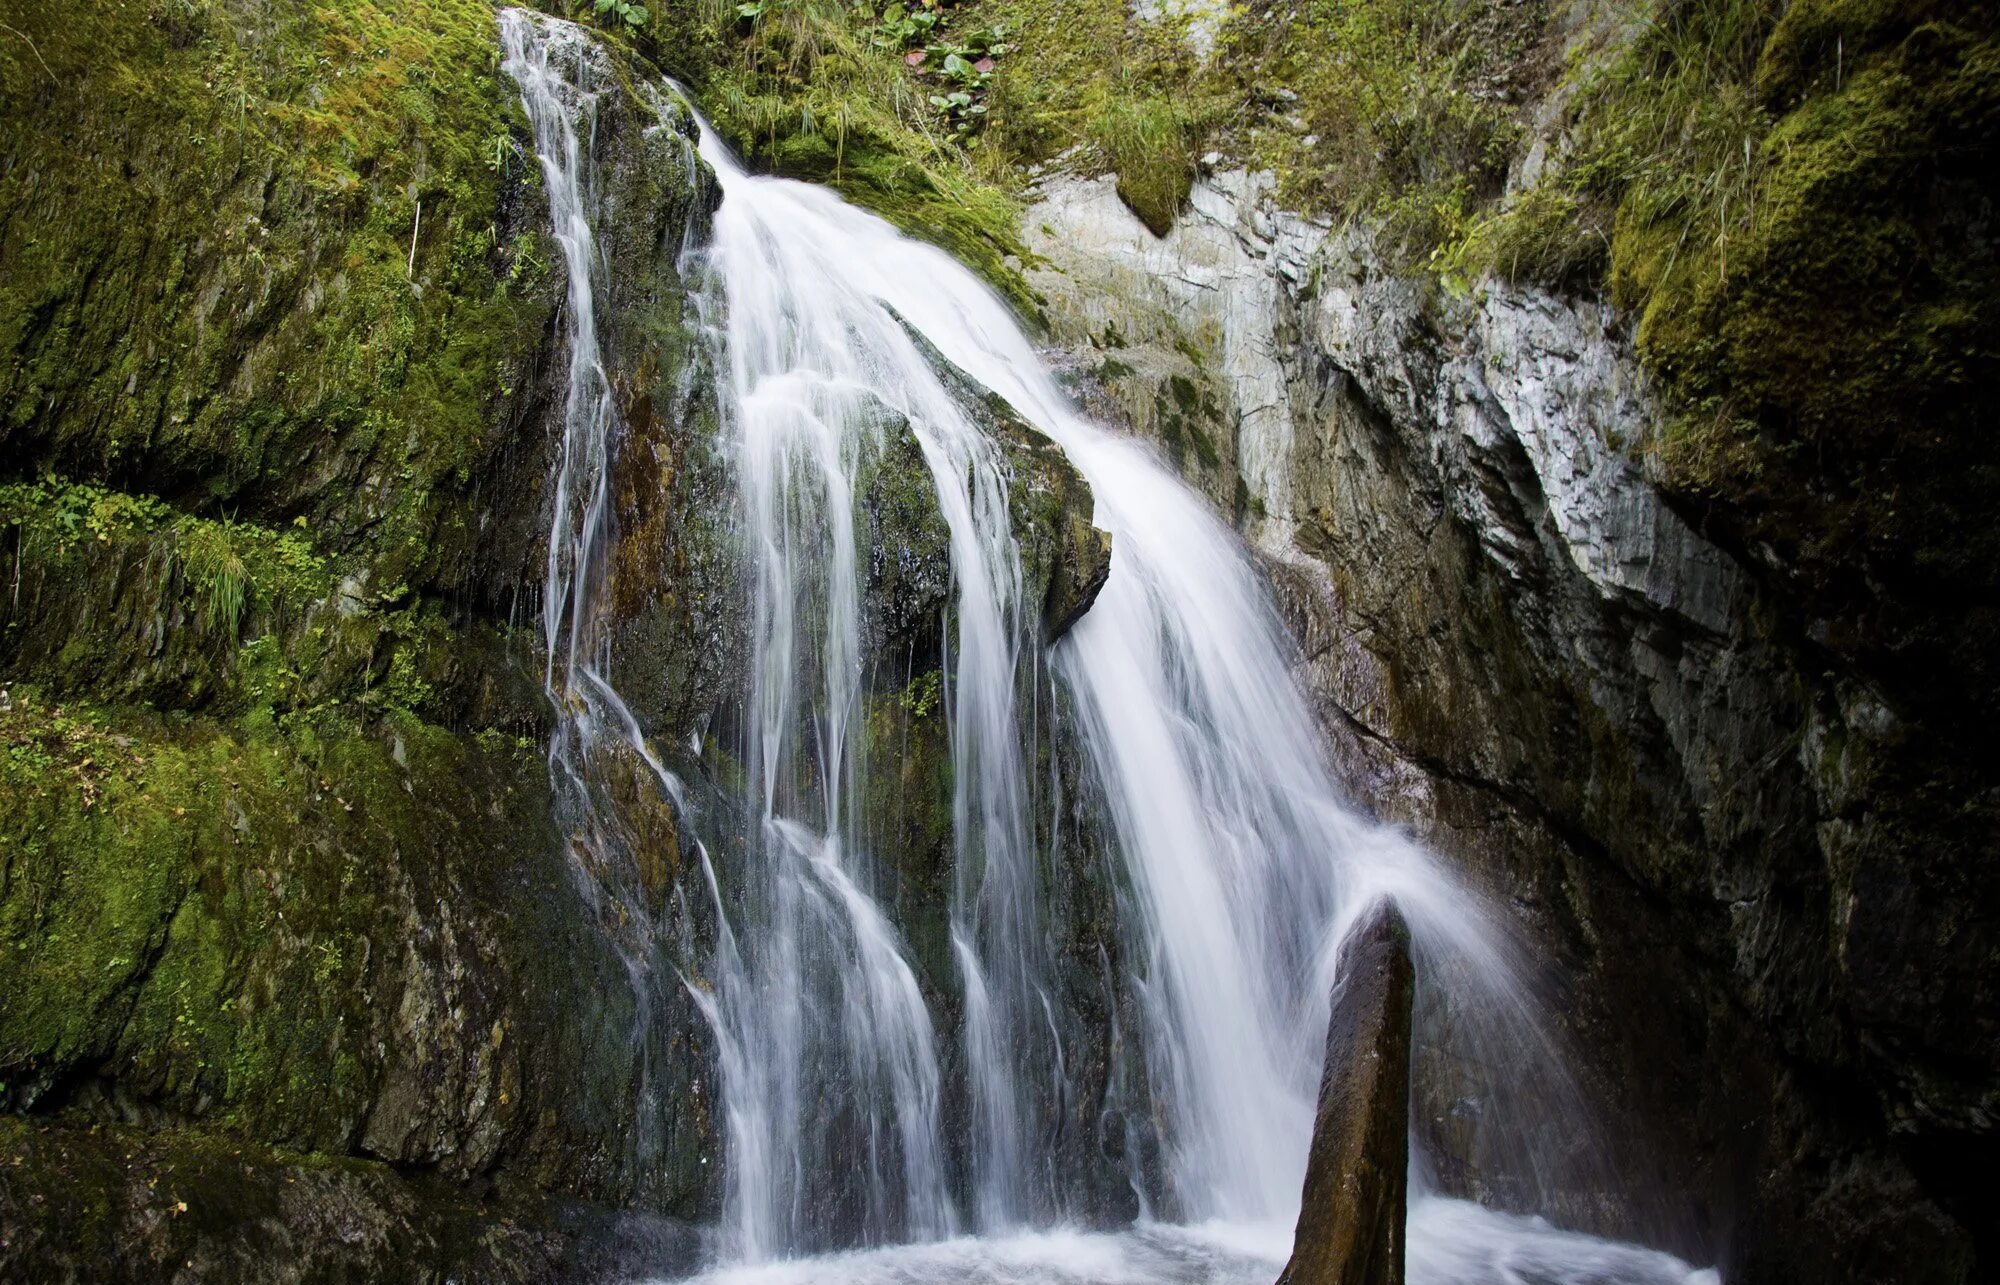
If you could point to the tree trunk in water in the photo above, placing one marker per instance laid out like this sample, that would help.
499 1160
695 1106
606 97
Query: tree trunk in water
1350 1228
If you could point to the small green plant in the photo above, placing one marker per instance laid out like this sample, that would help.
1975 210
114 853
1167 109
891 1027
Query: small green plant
497 150
218 572
961 111
964 61
901 28
632 15
923 695
1146 140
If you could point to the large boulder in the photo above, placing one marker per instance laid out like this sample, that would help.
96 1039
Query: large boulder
1350 1228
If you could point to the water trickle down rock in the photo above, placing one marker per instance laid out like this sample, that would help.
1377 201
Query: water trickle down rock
1351 1216
1065 555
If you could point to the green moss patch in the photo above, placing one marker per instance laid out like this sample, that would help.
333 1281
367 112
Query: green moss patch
252 261
117 597
808 89
195 912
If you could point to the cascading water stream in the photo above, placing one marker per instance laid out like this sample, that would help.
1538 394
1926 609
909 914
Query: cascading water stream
1246 862
557 67
1206 775
819 375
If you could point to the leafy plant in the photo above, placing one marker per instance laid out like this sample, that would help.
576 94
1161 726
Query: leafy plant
220 576
633 15
966 63
901 27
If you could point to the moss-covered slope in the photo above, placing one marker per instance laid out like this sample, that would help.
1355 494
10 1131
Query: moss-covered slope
277 867
258 258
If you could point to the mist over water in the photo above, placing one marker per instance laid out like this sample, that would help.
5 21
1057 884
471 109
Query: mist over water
1205 777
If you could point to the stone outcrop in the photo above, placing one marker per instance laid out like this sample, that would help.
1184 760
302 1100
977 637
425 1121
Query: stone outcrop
288 921
1526 650
1066 557
1352 1210
117 1203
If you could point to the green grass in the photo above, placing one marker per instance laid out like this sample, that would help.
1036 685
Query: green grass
803 90
1144 139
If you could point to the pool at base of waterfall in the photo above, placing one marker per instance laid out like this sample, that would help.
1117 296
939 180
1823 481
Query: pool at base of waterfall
1451 1242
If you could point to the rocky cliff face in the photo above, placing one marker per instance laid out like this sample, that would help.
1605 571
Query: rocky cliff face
307 971
284 905
300 971
1525 651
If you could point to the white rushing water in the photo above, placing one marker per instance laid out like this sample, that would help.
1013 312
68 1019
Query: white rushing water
1452 1242
819 377
1207 781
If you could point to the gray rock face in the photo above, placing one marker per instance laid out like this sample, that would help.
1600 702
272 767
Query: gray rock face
1521 650
1350 1229
1186 333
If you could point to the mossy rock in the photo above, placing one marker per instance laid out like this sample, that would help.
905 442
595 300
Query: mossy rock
109 1203
276 364
1065 557
1831 377
266 263
251 926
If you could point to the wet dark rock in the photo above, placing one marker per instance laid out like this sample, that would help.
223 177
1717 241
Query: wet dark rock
112 1205
908 806
1760 868
908 589
1068 554
1351 1216
1065 557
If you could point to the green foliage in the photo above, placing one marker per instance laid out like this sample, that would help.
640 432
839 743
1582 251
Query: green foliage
165 881
632 15
1670 134
1145 138
811 89
1766 187
907 26
122 597
967 65
934 48
1547 234
1408 107
213 564
1131 94
213 559
1793 201
924 696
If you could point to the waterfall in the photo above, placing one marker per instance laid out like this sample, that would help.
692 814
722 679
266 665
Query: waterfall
819 374
1244 857
1205 781
557 67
